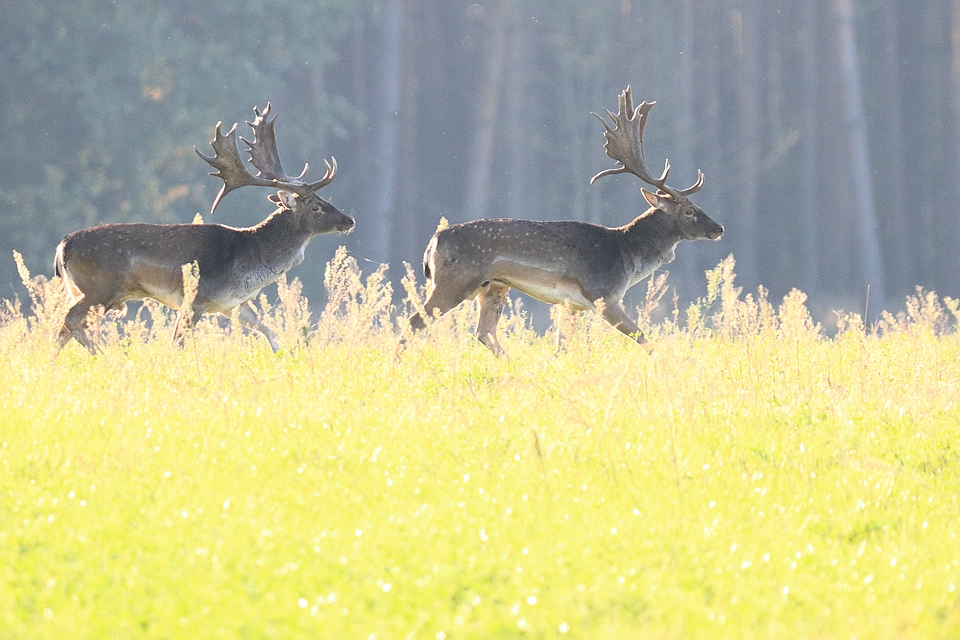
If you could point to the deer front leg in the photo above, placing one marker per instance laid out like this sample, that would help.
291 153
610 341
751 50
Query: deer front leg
183 323
249 318
177 338
614 314
492 300
564 319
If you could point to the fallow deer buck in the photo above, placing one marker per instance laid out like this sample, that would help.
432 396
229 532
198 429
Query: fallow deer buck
112 263
585 266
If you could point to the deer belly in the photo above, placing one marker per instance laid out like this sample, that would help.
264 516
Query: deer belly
551 289
169 297
220 297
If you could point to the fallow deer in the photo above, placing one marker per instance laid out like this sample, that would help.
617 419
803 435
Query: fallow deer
112 263
585 266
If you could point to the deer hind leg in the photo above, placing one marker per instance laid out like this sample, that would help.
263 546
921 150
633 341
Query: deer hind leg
492 299
445 296
435 304
73 326
439 302
249 318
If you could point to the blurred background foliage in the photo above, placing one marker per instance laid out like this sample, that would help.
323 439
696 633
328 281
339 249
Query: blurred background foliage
827 129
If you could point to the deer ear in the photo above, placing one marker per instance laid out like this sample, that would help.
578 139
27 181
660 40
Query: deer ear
283 198
652 198
656 200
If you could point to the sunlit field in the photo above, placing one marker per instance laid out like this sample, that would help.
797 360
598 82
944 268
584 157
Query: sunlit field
752 477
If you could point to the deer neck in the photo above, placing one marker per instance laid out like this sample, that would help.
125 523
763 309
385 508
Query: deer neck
279 241
649 242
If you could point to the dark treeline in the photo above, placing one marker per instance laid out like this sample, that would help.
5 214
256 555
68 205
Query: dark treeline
827 129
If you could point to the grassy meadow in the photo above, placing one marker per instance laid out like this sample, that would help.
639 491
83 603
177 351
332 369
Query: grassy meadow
750 478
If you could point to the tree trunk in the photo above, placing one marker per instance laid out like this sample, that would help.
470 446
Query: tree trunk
683 130
955 69
481 165
954 223
746 20
872 264
387 119
522 187
892 201
810 206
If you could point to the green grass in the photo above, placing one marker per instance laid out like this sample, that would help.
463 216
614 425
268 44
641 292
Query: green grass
749 479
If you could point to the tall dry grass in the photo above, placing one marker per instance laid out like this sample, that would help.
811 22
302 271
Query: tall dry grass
360 310
752 477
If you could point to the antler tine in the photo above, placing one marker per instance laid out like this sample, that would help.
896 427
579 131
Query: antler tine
226 160
263 150
328 176
624 143
696 185
265 157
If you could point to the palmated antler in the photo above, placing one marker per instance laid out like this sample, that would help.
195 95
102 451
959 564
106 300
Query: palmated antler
625 145
263 155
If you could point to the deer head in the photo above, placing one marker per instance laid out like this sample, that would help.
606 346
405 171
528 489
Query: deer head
624 143
293 193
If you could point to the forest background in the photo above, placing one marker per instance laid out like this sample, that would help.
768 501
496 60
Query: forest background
828 130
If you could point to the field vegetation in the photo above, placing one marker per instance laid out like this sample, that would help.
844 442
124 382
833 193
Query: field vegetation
752 477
